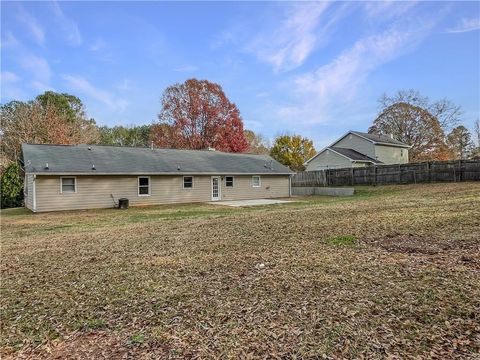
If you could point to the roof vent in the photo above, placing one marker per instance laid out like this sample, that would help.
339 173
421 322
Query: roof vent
93 167
89 148
211 149
46 166
391 135
178 167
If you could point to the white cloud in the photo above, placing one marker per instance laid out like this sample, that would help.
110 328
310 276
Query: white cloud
8 40
466 25
186 68
385 10
39 69
287 46
97 45
124 85
82 85
9 77
32 25
68 27
338 82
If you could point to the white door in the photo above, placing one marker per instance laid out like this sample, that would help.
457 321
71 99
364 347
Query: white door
215 188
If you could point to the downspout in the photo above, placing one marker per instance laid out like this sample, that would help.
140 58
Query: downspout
34 193
290 185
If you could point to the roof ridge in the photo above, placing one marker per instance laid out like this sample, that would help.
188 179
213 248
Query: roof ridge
149 148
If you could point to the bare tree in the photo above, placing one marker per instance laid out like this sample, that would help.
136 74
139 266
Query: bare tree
477 131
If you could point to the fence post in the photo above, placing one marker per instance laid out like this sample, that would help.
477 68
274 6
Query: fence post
351 176
429 176
399 174
460 170
374 175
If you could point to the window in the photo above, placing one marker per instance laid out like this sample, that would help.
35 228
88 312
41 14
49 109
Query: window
256 181
143 186
68 184
188 182
229 181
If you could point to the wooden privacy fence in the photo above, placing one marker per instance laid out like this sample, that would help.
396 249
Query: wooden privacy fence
432 171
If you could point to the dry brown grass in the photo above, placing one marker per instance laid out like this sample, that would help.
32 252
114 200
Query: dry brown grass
392 272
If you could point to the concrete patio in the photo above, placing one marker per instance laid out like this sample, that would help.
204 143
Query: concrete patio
253 202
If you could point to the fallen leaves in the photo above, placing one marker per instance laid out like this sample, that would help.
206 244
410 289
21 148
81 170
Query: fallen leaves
188 281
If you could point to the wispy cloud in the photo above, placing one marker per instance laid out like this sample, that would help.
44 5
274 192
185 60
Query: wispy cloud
39 69
68 27
124 85
32 25
9 40
186 68
343 76
287 46
9 77
385 10
97 45
11 87
466 25
82 85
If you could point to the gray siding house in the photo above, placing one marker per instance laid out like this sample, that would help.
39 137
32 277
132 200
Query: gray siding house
358 149
68 177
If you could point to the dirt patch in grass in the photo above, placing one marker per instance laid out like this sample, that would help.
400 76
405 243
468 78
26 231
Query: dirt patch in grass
196 282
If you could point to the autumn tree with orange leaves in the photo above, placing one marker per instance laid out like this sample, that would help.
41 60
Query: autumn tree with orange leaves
51 118
414 120
198 115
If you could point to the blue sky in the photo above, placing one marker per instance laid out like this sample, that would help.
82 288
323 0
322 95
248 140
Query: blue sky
316 69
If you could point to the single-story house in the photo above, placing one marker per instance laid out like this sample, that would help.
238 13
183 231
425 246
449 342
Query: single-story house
359 149
67 177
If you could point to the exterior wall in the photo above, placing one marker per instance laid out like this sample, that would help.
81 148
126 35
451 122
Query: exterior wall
328 160
96 191
357 143
361 164
29 191
391 155
270 187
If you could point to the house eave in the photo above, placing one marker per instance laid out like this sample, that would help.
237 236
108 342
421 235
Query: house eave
180 173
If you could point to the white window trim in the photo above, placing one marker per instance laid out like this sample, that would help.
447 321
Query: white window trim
233 182
74 182
193 183
149 185
259 181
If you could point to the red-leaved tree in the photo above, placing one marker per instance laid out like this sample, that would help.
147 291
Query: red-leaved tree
198 115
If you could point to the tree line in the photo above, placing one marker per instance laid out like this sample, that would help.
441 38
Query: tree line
197 114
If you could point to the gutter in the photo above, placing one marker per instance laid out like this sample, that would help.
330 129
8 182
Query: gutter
155 173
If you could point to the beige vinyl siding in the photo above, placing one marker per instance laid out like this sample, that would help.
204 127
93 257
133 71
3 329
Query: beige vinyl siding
328 160
391 154
29 191
355 142
94 191
361 164
270 187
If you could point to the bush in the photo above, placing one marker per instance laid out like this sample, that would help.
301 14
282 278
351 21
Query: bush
11 187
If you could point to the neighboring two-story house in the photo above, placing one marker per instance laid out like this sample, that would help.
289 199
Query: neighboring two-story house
358 149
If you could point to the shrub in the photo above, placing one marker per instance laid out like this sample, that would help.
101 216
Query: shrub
11 187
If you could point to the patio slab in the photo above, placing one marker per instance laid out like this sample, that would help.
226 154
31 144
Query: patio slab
253 202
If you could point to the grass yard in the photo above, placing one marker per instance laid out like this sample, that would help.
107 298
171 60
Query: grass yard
393 271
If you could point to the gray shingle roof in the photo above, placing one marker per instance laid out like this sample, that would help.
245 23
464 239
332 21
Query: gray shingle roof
79 159
380 138
354 155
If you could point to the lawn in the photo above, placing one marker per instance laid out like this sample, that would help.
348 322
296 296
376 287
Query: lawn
393 271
